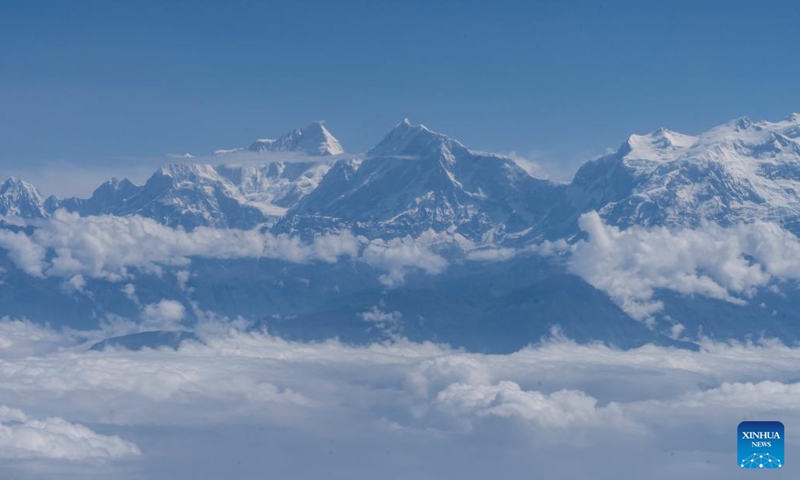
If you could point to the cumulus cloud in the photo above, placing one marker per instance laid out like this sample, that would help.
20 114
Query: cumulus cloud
108 247
129 290
558 410
26 254
387 322
726 263
22 437
398 255
164 315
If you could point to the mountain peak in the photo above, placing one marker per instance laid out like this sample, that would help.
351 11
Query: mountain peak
741 123
657 144
192 171
314 139
20 198
409 140
10 182
16 184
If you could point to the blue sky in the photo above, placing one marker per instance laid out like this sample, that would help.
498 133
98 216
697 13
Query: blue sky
86 83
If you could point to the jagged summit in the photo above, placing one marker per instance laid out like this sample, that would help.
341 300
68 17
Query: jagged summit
19 198
743 123
742 170
413 141
416 180
314 139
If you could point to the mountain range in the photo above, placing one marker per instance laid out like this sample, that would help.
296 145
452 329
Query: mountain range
416 180
419 184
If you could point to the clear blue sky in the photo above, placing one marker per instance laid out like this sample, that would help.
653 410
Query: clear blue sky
86 82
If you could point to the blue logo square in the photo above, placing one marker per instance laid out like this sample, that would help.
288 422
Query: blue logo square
760 445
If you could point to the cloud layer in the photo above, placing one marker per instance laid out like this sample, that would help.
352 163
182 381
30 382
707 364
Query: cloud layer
54 438
395 396
108 247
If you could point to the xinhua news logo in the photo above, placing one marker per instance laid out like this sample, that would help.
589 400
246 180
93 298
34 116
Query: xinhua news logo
760 445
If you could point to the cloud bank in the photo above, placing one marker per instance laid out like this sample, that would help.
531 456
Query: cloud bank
419 398
109 247
54 438
725 263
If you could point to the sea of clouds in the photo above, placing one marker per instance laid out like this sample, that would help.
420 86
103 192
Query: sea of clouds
250 405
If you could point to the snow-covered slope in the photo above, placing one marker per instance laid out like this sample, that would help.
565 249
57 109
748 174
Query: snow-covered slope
232 196
314 139
417 180
112 197
275 186
190 196
742 170
193 195
20 199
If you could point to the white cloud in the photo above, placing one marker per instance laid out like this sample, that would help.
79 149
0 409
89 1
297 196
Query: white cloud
397 394
534 168
254 372
376 315
22 437
182 277
502 254
561 409
108 247
492 254
726 263
129 290
76 283
164 315
26 255
388 322
21 338
398 255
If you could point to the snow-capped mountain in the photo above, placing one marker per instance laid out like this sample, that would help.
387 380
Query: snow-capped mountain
416 180
112 197
314 139
190 196
194 195
739 171
230 196
20 199
451 199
